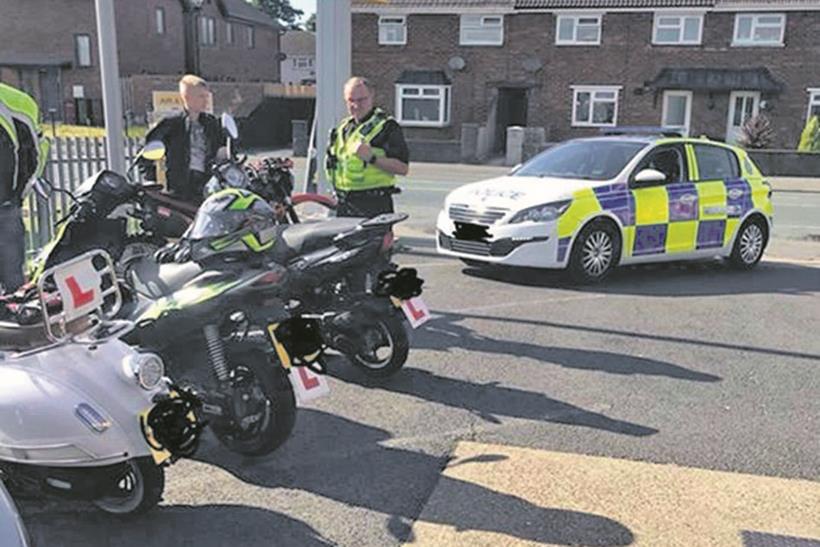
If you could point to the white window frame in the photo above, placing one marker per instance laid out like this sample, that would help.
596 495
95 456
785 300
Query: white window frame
445 100
250 37
82 48
392 22
482 25
681 25
592 90
207 31
751 42
814 100
575 19
159 20
687 115
229 36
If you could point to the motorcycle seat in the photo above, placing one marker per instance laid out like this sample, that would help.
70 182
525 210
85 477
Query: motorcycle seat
154 280
310 236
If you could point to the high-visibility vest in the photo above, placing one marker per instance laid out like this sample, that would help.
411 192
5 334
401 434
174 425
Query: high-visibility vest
16 106
350 172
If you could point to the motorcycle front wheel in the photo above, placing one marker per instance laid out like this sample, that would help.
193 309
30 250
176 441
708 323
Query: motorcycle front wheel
384 347
138 489
264 406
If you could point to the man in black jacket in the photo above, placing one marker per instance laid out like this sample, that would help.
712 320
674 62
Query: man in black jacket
192 139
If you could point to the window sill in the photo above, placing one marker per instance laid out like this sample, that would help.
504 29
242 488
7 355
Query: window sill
593 125
433 125
578 44
742 44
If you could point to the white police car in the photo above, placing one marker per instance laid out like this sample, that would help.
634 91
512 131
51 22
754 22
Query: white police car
591 204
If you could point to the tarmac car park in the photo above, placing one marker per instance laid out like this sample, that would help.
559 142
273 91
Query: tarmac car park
588 205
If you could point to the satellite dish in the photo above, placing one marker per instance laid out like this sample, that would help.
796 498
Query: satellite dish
456 63
532 64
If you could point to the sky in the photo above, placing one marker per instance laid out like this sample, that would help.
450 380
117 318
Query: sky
307 6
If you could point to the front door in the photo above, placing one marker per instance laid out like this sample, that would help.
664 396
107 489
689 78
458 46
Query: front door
742 106
512 110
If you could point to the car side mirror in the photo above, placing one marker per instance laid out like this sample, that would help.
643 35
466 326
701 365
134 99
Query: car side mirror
650 176
153 151
229 125
516 168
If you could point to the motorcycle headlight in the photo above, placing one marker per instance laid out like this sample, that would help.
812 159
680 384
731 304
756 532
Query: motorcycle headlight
146 368
541 213
235 177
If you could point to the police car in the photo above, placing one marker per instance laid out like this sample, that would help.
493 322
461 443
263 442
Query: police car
590 204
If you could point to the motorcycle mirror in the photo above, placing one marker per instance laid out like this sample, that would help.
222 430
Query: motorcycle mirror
43 188
229 125
154 150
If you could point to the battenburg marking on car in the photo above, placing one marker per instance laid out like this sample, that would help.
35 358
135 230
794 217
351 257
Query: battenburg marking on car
596 202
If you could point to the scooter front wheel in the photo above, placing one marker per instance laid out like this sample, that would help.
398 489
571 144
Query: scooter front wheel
138 489
264 406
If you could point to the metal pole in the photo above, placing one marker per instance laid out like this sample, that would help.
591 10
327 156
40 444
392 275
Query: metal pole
110 78
333 52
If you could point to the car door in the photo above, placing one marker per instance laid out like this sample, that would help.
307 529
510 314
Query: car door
717 174
665 212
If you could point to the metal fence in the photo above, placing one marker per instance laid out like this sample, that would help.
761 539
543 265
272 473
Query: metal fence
71 161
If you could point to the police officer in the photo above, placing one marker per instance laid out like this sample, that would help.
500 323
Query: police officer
193 140
23 155
366 152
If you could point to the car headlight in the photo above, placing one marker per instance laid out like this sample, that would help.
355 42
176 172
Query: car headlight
146 368
542 213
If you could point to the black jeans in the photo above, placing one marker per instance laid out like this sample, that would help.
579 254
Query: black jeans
365 203
12 248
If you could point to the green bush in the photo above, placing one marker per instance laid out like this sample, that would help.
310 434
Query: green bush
810 138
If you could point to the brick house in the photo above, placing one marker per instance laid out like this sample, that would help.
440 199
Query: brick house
299 63
575 66
50 49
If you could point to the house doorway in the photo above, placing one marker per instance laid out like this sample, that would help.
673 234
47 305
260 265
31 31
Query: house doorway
511 110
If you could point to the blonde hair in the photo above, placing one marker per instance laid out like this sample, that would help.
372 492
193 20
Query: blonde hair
191 80
358 80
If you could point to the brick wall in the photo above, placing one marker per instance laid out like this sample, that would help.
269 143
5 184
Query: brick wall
625 57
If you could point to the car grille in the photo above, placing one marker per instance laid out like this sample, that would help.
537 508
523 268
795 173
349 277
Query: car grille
487 216
470 247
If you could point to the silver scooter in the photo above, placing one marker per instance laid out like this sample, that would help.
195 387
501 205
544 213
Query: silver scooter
83 415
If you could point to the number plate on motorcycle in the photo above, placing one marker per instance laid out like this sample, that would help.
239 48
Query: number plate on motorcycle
416 311
307 384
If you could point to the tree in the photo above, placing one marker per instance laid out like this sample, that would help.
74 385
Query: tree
810 138
281 10
756 132
310 24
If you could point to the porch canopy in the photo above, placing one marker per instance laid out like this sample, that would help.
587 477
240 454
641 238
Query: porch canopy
717 79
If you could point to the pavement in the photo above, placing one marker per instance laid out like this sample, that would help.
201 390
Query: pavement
675 404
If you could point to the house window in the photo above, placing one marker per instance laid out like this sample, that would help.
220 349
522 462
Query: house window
229 33
423 105
481 30
677 111
677 29
578 30
251 38
82 49
814 101
392 31
159 17
759 29
595 106
207 31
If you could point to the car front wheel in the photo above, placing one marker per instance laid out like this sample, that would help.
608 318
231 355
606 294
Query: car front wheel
595 253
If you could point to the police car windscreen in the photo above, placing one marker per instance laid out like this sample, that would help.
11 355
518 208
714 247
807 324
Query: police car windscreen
587 160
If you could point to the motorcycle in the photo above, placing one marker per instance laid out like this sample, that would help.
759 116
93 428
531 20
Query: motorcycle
83 416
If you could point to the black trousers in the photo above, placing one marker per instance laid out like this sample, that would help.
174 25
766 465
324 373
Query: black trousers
364 203
12 248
